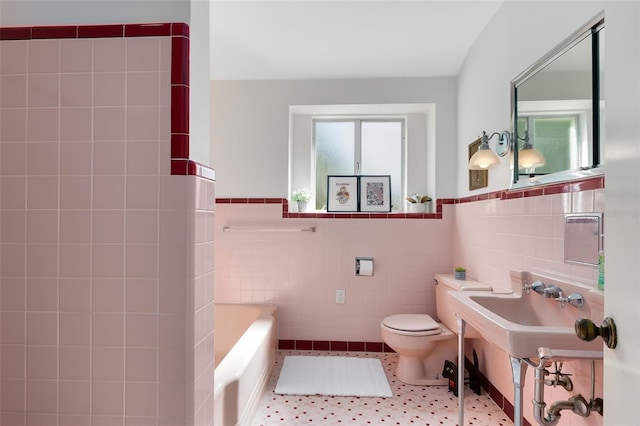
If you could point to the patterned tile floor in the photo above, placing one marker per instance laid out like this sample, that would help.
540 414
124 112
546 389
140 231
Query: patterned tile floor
411 405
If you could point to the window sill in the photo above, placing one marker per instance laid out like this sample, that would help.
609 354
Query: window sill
359 215
337 215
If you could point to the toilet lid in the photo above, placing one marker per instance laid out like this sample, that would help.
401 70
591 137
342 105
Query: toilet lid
412 322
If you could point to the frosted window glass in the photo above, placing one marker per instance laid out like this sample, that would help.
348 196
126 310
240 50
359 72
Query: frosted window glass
377 145
335 154
557 139
382 154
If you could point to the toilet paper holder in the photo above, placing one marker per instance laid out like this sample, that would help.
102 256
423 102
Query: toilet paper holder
364 266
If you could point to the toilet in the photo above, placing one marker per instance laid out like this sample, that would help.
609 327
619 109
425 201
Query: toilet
422 343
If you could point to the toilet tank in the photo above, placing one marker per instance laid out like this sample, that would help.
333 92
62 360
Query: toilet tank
446 283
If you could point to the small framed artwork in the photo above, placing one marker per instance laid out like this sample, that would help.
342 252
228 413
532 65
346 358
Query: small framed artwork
375 193
342 193
477 178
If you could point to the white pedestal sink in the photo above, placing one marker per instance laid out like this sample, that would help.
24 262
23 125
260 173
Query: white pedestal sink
524 321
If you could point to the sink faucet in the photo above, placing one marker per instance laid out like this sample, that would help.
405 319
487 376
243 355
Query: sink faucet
552 292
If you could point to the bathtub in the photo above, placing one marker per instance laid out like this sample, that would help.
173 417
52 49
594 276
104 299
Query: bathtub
245 351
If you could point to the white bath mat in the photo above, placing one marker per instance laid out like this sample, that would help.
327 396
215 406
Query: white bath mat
333 376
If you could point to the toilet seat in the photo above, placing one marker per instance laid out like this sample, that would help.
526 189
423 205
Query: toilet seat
415 324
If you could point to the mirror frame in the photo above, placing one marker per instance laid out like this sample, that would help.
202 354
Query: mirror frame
590 29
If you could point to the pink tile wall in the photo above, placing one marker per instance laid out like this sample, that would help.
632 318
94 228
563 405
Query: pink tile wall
301 271
203 298
489 234
493 236
98 277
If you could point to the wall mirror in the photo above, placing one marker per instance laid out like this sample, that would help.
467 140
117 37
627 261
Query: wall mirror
557 107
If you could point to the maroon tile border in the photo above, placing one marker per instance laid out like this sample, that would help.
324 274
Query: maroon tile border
159 29
183 167
333 346
325 215
587 184
179 109
54 32
179 29
100 31
556 188
286 344
15 33
180 47
180 60
304 345
148 30
179 146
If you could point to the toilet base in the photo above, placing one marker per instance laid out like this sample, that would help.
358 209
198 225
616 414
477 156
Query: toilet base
427 371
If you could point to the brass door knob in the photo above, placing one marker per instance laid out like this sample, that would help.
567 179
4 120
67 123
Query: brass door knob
587 330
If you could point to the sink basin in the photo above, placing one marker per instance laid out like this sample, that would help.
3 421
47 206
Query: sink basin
520 323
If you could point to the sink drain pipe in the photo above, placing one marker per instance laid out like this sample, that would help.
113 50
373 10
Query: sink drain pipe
577 403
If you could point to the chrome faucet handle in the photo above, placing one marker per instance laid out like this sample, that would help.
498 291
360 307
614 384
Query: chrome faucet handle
537 286
574 299
552 292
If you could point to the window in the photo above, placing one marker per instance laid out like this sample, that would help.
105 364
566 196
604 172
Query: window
561 140
353 133
359 146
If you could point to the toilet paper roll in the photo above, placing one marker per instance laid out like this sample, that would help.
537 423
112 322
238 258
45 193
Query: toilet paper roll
366 267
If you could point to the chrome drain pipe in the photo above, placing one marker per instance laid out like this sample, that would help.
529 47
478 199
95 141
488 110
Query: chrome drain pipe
538 392
577 403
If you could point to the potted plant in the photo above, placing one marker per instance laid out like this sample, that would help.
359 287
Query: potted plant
418 203
460 273
301 196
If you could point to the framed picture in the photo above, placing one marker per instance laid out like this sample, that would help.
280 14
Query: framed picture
477 178
342 193
375 193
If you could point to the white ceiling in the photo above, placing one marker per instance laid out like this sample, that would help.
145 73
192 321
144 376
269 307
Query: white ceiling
324 39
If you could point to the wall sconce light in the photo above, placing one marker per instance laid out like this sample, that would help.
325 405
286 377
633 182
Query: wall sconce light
485 157
528 156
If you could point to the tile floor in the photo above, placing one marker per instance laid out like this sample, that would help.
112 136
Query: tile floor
412 405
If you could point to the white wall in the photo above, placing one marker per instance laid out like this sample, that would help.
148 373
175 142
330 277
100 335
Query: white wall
199 102
67 12
250 126
519 34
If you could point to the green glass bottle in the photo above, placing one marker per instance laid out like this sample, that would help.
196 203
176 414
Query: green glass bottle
601 270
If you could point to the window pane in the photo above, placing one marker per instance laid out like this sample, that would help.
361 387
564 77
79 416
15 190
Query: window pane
335 154
382 154
557 139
